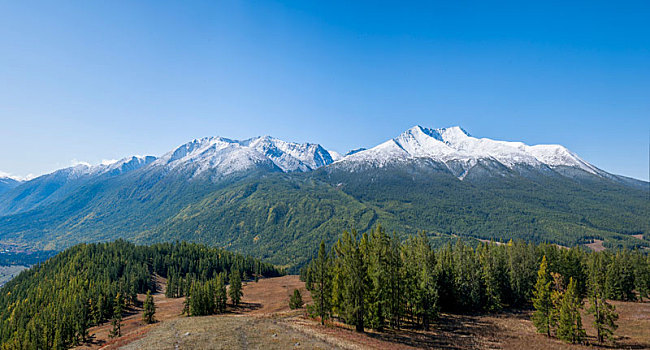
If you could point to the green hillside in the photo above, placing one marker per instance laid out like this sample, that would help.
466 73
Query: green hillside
279 216
52 305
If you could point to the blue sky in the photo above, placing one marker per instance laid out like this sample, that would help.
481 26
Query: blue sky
93 80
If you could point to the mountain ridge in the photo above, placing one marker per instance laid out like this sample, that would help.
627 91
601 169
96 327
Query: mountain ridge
266 196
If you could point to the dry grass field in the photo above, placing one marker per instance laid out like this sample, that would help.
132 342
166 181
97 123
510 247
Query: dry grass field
264 321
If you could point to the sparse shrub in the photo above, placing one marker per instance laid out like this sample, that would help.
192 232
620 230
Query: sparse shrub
295 302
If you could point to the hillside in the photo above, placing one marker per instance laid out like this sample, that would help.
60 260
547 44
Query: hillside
280 328
53 304
274 199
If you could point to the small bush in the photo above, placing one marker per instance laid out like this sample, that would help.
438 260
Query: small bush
295 302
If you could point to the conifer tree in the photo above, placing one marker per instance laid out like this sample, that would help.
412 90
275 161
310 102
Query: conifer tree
295 302
570 322
353 279
542 300
421 287
221 296
149 309
522 264
493 275
319 282
642 276
605 315
378 262
235 291
395 287
116 321
619 283
169 291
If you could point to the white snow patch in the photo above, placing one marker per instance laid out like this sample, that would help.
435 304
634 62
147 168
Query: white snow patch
454 144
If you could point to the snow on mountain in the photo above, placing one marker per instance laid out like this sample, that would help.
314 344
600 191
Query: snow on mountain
113 167
8 177
8 182
290 156
124 165
224 155
335 155
228 156
57 185
454 146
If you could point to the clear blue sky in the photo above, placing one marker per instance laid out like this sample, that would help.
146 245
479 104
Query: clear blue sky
93 80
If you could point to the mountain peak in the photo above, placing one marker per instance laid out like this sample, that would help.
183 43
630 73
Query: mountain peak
458 150
8 176
455 131
228 156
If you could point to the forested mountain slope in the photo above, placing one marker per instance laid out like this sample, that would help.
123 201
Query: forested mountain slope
52 305
273 198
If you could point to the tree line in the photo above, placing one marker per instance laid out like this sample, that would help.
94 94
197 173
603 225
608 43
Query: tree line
53 304
375 280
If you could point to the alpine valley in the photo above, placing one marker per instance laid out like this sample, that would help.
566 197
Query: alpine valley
276 200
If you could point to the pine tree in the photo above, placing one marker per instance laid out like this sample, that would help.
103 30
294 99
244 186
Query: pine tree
352 282
522 264
569 322
605 315
319 283
642 276
235 290
149 309
116 321
221 296
619 284
467 281
169 291
421 287
492 275
295 302
542 300
378 259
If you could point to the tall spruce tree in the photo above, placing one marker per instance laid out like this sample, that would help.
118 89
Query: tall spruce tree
378 262
605 315
149 309
619 283
642 276
493 275
319 282
235 291
353 279
570 322
542 300
116 321
221 296
421 286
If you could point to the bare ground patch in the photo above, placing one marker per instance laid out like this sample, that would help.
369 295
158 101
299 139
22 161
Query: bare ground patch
264 321
596 245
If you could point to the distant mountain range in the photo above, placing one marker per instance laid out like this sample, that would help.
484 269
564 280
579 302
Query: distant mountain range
274 198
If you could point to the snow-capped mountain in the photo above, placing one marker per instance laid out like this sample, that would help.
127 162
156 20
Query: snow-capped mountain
282 194
58 184
7 182
226 156
460 152
448 150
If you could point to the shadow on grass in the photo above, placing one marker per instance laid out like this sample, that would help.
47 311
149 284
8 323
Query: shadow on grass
243 308
451 331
